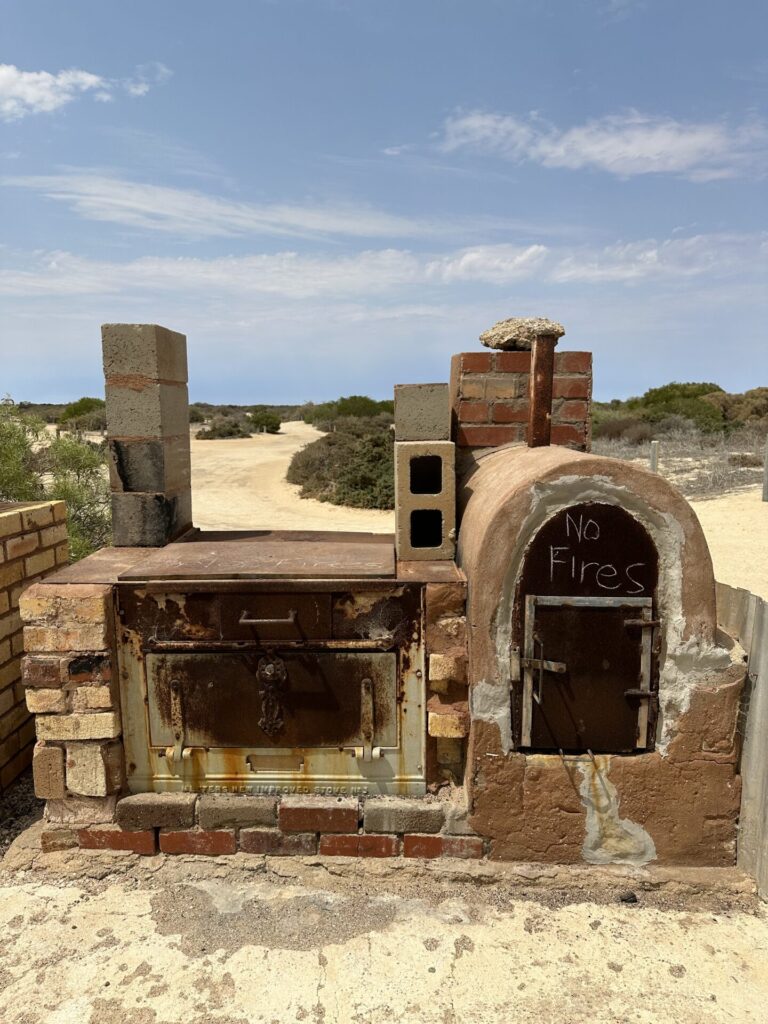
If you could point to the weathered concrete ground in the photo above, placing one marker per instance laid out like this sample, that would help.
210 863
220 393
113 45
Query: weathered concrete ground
116 939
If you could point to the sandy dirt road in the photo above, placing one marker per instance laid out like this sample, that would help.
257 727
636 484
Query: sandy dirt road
736 528
239 484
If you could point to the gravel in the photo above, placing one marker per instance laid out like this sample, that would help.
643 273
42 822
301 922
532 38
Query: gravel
19 808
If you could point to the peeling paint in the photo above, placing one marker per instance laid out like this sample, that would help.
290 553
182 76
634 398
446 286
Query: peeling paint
609 839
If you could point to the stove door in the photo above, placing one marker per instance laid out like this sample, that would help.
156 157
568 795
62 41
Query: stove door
586 674
286 699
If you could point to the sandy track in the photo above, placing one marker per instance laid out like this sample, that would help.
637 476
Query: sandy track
736 528
239 484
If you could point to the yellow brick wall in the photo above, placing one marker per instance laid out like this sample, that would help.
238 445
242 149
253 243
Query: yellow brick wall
33 544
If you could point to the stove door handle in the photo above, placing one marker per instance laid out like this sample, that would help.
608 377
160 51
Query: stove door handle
289 620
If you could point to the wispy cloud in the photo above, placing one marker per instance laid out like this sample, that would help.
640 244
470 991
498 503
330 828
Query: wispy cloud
627 144
398 273
192 214
40 92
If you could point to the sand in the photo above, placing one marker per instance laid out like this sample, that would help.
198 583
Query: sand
240 485
736 528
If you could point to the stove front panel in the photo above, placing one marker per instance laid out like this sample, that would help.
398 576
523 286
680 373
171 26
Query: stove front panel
323 693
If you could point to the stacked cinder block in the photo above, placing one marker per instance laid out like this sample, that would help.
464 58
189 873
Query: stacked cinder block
72 690
425 473
490 398
33 543
303 826
145 369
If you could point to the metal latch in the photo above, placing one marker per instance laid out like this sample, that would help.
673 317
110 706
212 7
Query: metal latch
541 665
272 675
179 751
367 752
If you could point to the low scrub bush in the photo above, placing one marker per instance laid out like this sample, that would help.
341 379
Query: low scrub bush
225 427
351 465
265 420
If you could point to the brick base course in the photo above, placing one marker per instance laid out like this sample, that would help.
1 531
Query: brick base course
211 844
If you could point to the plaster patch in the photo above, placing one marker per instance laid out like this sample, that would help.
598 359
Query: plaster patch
490 702
609 839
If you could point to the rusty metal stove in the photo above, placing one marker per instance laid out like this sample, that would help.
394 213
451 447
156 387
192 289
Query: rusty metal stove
274 662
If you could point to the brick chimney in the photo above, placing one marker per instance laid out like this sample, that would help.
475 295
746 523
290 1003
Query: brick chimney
145 369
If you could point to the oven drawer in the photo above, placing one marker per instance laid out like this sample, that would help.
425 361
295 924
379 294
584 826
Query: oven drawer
162 617
287 699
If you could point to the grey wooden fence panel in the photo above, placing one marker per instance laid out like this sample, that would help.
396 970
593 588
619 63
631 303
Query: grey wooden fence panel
745 616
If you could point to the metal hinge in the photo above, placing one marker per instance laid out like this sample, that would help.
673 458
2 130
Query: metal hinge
367 752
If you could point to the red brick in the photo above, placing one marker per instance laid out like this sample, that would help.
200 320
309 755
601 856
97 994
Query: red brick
465 847
572 412
359 846
513 362
319 814
41 671
210 844
111 837
567 433
273 843
510 412
573 362
88 668
475 436
473 412
476 362
571 387
422 846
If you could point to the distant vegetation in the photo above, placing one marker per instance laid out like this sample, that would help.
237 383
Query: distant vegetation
86 414
225 426
680 407
353 464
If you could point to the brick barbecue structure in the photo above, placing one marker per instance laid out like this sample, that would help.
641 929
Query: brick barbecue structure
529 670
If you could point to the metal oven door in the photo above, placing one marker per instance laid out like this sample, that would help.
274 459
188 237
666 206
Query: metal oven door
587 673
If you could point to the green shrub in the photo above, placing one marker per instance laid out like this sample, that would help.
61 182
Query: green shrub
225 427
196 414
351 465
35 468
85 414
264 420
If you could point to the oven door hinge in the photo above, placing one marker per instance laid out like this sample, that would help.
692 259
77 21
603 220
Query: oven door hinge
367 752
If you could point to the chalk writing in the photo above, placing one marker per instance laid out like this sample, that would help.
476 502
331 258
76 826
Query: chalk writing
572 561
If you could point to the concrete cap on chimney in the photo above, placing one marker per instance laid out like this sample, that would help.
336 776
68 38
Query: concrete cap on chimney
520 332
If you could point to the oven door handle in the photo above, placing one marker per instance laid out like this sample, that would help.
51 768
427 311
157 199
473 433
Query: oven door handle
289 620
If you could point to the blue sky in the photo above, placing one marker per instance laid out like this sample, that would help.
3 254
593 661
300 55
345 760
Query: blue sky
332 196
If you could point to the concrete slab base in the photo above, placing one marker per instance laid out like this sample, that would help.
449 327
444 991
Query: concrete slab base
248 939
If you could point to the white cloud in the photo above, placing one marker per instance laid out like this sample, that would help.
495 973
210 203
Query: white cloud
40 92
190 213
625 144
397 273
493 264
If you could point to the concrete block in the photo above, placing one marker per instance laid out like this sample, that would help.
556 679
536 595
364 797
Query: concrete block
399 815
422 412
150 465
157 810
147 410
425 499
149 520
274 843
145 349
48 772
230 810
94 769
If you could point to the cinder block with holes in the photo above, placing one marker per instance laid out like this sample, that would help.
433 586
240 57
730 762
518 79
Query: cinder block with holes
425 499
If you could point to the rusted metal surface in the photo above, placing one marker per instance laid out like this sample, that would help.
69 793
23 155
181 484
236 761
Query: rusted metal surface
342 709
540 395
310 699
242 555
586 601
